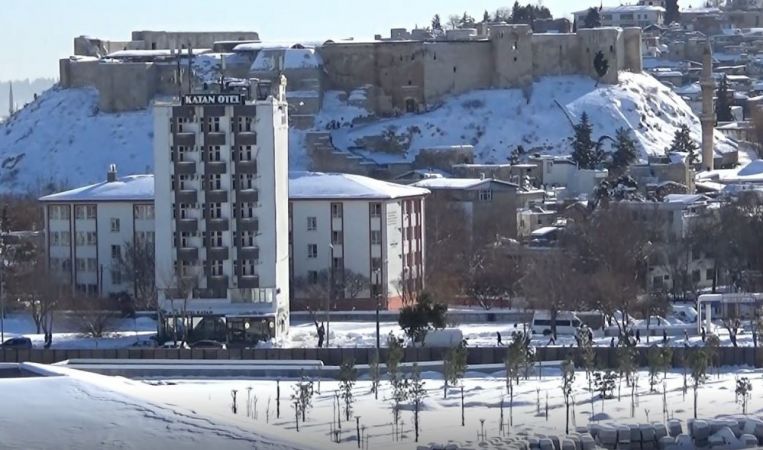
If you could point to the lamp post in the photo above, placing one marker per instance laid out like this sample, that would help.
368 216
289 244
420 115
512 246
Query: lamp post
377 276
331 292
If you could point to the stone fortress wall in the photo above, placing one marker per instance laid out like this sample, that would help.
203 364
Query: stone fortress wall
400 75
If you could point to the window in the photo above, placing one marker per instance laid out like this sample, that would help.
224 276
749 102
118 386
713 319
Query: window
145 236
376 237
486 195
215 211
215 182
216 268
65 238
312 250
336 237
245 153
312 223
376 209
214 153
91 238
337 263
184 182
709 274
312 277
81 264
213 124
116 277
92 265
185 211
247 181
695 276
247 239
247 267
336 210
114 225
244 124
185 240
80 238
146 212
59 212
85 212
216 238
116 252
247 210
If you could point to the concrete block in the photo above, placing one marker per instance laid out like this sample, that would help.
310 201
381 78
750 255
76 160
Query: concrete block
674 427
660 431
684 442
545 444
587 443
700 430
569 444
723 439
606 437
647 433
666 442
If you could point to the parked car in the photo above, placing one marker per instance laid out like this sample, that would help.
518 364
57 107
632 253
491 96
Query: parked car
173 344
207 343
20 343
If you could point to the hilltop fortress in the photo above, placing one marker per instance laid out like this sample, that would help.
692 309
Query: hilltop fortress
395 75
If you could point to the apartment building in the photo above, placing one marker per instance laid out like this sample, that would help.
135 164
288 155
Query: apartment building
362 238
626 16
87 230
221 164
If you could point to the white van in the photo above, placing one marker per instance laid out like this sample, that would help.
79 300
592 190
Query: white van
567 323
448 337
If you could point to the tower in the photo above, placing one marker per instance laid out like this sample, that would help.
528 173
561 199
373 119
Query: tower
708 111
11 108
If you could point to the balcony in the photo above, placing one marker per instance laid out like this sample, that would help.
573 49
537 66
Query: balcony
187 225
217 253
188 254
187 196
217 225
246 167
216 196
217 283
185 168
187 138
214 138
252 253
248 196
215 167
246 138
245 110
248 282
248 225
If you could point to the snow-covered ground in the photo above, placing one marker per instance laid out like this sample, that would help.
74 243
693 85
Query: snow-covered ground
84 411
497 121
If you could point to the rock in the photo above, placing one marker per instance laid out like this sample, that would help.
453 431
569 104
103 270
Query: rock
748 441
623 438
635 434
674 427
755 427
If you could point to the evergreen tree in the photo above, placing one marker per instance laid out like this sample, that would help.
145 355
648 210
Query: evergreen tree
436 23
672 12
486 17
466 21
517 13
723 103
422 316
592 18
348 375
683 143
600 65
585 152
624 150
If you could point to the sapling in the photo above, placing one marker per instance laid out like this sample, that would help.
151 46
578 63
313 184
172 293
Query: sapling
516 358
605 385
743 392
454 366
374 373
657 364
348 375
699 363
248 401
568 379
278 399
303 395
234 406
416 393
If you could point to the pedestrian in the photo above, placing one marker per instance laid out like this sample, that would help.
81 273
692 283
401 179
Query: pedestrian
612 342
498 336
704 334
321 334
754 338
590 335
638 336
664 336
686 336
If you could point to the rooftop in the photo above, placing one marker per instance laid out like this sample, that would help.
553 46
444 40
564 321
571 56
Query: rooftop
317 185
625 9
129 188
457 183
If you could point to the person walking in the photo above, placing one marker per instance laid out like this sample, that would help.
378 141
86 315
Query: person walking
498 337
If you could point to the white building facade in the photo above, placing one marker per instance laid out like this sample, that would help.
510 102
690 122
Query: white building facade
363 236
88 229
221 164
626 16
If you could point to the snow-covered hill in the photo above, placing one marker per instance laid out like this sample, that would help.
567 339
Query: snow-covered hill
497 121
61 140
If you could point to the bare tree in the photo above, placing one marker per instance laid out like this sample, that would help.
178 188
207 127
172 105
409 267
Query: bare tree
551 283
41 293
94 314
448 251
491 278
137 266
353 284
313 292
180 287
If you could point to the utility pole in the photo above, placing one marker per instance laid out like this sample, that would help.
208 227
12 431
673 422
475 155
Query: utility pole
331 292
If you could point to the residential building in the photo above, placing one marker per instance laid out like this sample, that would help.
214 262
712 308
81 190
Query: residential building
88 229
354 240
626 16
562 172
221 164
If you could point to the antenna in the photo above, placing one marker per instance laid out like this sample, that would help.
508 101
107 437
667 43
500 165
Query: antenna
179 74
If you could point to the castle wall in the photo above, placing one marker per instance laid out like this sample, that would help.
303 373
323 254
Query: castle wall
126 86
608 41
171 39
400 69
349 66
454 68
556 54
512 55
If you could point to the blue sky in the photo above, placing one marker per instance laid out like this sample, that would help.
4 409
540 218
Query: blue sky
34 34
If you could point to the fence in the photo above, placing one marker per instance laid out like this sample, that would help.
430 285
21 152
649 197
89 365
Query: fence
605 356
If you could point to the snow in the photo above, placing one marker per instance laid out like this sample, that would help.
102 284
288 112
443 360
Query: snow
750 173
686 199
455 183
86 411
293 58
495 122
62 140
316 185
274 45
133 187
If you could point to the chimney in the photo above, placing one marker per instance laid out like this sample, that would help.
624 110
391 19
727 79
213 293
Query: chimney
482 175
111 175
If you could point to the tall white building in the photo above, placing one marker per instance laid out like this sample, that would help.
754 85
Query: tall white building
222 257
626 16
362 236
87 230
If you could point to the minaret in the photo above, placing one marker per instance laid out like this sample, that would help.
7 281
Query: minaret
11 108
708 110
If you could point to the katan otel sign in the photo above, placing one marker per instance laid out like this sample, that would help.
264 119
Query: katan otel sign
213 99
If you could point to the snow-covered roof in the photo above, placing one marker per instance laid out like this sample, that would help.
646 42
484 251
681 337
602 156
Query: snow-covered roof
274 45
152 53
129 188
317 185
289 58
625 9
457 183
686 199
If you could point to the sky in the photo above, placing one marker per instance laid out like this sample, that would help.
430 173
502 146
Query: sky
35 34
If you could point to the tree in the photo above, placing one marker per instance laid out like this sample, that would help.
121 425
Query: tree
517 358
658 363
136 266
41 292
624 151
502 15
586 153
742 391
416 393
454 21
314 291
592 18
551 283
454 366
485 17
374 373
394 356
672 12
94 316
605 385
683 143
698 362
600 65
466 21
348 375
568 381
723 102
492 277
626 361
436 23
424 315
352 284
302 396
